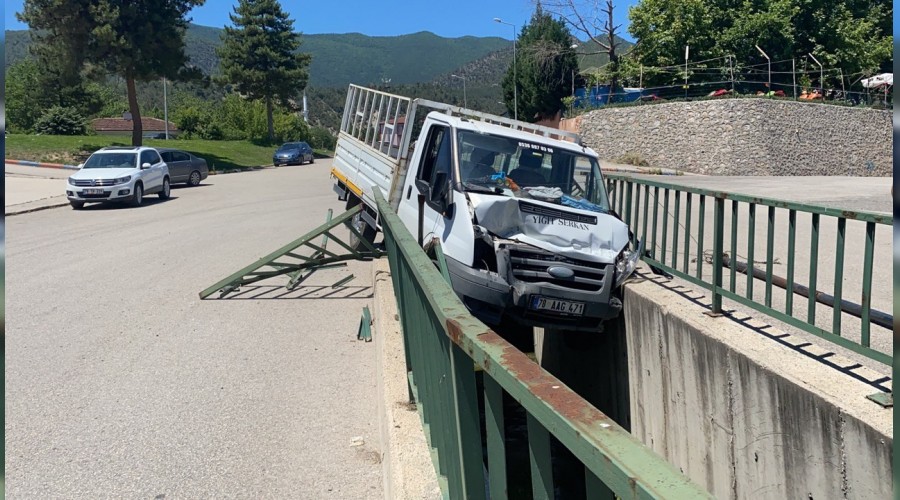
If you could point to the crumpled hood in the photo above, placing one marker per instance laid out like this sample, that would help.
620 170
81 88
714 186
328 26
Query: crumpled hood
103 173
574 233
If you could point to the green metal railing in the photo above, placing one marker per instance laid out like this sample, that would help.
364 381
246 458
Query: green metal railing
645 206
444 344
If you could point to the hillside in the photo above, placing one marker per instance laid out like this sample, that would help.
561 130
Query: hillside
338 59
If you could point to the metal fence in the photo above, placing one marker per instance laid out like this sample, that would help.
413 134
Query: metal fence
662 215
444 347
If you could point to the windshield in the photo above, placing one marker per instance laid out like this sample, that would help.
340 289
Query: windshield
505 165
289 147
112 160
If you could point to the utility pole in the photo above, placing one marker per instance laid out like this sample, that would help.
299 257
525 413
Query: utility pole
821 77
515 77
769 85
166 108
686 51
794 78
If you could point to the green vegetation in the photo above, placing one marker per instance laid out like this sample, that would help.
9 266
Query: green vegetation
544 69
260 58
71 150
854 35
138 41
338 59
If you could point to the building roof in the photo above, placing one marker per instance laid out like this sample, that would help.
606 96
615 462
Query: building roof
122 125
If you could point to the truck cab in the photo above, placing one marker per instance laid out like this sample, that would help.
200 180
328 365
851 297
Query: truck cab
523 220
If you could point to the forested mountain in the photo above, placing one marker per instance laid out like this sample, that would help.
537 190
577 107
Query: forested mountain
339 59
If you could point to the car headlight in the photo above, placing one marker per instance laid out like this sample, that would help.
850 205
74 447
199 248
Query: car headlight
122 180
626 263
71 182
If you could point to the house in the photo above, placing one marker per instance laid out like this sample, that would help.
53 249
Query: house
123 126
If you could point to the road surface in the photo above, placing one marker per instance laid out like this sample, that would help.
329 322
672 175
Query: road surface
121 383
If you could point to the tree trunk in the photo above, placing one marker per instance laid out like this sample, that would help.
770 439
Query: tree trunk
137 128
269 119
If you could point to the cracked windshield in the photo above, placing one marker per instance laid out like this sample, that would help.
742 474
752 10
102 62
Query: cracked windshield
503 165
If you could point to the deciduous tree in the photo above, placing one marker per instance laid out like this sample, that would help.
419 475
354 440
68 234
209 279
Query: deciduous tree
260 56
139 40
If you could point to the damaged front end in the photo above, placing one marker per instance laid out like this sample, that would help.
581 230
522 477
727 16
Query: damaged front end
541 265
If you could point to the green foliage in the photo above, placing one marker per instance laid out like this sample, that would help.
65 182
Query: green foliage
139 41
259 56
544 68
60 121
854 35
320 138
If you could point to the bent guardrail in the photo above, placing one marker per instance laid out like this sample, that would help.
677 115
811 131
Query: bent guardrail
444 344
632 199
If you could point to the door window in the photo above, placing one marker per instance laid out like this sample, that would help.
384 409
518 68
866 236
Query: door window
179 156
151 157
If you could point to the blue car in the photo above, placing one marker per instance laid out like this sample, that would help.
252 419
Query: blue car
293 153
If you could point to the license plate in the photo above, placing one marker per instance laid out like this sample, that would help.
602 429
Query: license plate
93 191
539 303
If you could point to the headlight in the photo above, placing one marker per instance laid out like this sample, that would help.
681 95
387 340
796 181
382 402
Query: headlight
71 182
626 263
122 180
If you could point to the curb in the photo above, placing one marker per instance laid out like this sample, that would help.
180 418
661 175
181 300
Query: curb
27 163
408 471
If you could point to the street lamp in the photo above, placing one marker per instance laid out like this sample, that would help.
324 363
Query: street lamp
515 77
821 77
465 101
770 64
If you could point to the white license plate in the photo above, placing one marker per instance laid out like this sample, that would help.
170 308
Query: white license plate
93 191
539 303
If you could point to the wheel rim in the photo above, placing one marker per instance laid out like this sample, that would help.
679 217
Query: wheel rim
195 178
138 194
166 188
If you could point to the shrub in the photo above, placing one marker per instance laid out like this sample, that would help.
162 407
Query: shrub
632 158
321 138
60 121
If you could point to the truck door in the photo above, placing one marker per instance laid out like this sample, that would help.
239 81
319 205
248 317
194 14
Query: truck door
432 179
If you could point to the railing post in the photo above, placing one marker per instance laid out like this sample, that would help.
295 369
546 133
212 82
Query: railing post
718 243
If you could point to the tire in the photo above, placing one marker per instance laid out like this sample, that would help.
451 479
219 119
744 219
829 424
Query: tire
76 205
138 198
194 179
166 190
312 160
368 232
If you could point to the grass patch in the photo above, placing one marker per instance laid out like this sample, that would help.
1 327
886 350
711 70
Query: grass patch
72 150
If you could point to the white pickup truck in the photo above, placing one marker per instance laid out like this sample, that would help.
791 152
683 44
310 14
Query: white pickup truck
521 210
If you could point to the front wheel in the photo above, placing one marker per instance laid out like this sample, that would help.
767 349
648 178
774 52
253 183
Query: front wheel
166 190
138 197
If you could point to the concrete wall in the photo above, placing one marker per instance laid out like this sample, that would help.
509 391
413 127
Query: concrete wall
745 416
746 137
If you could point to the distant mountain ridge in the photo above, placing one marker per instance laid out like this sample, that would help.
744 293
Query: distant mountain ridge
339 59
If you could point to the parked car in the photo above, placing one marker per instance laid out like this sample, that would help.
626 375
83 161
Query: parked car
293 152
184 167
119 174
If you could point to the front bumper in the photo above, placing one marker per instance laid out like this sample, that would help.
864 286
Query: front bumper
124 192
491 297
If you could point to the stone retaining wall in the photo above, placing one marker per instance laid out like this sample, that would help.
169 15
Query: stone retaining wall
746 137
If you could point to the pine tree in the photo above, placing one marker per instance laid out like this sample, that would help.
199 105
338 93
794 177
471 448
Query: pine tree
260 56
544 67
139 40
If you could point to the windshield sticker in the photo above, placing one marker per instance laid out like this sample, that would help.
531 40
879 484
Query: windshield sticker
536 147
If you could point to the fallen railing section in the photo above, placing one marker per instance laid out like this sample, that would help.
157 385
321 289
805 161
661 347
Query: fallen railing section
444 344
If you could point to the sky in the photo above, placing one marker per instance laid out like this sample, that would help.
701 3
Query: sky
451 19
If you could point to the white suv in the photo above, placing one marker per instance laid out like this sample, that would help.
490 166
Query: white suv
123 174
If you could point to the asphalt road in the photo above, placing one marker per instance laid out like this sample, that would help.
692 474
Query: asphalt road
121 383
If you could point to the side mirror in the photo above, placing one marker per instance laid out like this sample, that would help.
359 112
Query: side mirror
145 166
422 186
440 192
